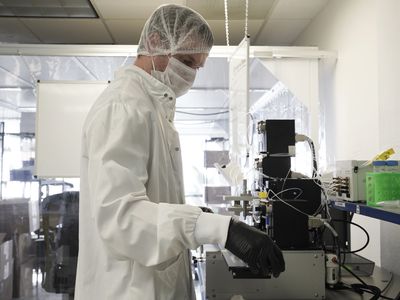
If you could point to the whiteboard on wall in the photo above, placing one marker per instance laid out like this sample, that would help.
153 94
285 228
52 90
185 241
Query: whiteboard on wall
62 107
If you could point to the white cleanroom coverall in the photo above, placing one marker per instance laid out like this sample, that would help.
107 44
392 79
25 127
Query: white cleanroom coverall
134 232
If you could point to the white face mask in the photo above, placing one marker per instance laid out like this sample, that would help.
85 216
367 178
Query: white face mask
178 76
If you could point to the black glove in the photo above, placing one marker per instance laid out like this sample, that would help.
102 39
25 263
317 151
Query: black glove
255 248
206 209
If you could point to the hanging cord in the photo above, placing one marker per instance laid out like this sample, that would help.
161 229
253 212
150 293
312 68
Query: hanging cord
226 22
246 20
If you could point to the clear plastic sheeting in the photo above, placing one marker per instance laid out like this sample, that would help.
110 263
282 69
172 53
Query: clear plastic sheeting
17 98
300 76
238 102
280 103
72 68
19 76
24 71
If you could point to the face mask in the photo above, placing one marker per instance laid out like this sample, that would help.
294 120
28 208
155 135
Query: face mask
178 76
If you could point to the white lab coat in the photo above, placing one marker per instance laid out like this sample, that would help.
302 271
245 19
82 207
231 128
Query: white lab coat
134 234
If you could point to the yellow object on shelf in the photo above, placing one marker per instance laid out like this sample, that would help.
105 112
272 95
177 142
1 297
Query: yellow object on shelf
384 155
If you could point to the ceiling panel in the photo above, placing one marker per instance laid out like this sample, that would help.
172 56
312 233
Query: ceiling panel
126 31
13 31
64 31
236 30
281 32
129 9
215 9
295 9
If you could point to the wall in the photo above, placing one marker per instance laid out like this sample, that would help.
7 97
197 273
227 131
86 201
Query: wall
353 108
389 110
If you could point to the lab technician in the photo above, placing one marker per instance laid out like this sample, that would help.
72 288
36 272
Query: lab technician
135 231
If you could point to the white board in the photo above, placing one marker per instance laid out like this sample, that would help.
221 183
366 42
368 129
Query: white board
62 107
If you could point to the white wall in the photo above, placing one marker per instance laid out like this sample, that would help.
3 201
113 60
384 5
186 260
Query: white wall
389 73
389 111
354 124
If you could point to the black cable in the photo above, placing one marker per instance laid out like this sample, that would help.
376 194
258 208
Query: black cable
359 226
354 275
380 296
315 165
358 288
364 287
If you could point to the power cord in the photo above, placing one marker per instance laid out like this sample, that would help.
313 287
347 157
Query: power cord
304 138
361 287
359 226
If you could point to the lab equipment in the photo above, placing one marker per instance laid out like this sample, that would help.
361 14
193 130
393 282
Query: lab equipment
281 207
304 277
295 213
349 180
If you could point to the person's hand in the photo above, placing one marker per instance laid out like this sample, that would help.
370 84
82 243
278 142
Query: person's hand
206 209
255 248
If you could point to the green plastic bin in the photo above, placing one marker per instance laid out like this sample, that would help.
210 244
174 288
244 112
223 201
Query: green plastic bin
382 187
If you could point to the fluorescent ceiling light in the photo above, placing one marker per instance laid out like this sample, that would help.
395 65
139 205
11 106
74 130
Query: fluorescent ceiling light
47 9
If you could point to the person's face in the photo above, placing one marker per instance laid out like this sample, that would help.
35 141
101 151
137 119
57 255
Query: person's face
194 61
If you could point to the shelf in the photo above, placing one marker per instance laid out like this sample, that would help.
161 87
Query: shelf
385 214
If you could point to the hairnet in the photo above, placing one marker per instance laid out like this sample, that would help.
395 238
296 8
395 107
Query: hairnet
174 29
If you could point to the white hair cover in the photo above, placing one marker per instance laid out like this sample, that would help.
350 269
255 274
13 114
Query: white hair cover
174 29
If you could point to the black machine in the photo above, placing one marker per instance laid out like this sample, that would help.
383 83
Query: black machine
288 227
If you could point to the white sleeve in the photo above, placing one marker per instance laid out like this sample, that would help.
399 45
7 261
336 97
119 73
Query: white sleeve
130 226
212 229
